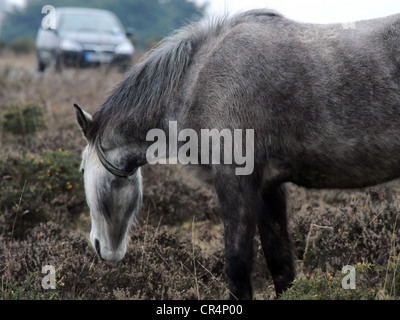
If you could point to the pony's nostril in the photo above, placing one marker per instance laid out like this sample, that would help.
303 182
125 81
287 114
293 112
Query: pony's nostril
97 247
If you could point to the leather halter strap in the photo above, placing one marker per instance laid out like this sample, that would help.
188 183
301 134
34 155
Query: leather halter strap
109 166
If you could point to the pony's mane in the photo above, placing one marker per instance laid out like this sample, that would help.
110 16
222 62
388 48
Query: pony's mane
148 87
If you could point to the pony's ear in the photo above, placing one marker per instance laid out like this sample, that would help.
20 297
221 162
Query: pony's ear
83 118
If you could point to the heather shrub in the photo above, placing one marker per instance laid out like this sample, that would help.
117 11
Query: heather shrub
372 282
39 188
22 45
157 266
24 120
338 228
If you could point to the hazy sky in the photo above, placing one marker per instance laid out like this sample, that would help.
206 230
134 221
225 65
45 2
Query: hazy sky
18 2
319 11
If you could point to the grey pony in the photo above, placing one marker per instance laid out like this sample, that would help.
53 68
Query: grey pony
323 100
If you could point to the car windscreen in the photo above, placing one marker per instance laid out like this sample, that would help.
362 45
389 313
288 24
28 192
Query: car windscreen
84 22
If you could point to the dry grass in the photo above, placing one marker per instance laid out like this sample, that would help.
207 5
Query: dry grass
176 251
9 60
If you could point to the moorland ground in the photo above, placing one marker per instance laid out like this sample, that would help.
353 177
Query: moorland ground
176 249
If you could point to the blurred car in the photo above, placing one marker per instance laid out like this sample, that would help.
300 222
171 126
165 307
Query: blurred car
84 37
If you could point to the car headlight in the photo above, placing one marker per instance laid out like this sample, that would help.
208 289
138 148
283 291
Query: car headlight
70 45
124 48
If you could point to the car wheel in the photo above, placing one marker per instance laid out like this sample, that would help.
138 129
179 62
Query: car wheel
59 63
41 67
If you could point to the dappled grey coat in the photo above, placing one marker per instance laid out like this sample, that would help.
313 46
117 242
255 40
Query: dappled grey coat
323 100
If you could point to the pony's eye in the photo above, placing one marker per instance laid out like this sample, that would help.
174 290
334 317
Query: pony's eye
82 171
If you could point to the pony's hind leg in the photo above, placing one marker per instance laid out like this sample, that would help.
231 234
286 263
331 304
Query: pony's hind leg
275 238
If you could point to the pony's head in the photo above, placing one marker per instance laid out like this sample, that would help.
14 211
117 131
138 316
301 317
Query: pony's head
114 195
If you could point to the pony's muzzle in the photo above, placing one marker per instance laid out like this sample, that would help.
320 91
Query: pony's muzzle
106 254
112 255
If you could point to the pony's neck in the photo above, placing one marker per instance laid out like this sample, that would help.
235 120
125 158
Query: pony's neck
147 95
145 99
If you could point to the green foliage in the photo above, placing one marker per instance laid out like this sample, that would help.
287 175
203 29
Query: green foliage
29 289
3 46
324 287
150 18
22 45
24 120
372 282
36 189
